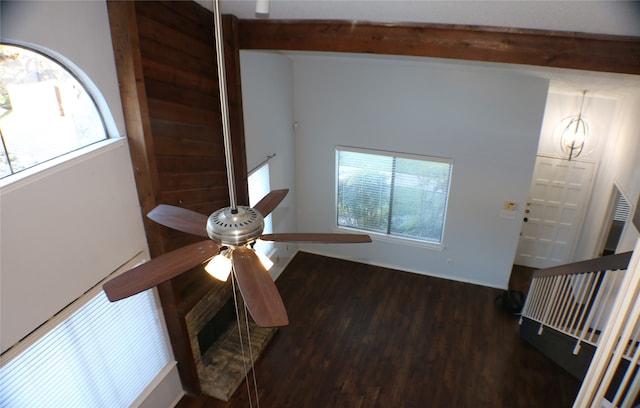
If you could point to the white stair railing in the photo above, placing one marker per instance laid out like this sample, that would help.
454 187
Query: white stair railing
618 348
576 299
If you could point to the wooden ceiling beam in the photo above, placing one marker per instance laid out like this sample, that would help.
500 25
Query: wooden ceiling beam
590 52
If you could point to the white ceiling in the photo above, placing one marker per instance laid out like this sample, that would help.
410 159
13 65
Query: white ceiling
615 17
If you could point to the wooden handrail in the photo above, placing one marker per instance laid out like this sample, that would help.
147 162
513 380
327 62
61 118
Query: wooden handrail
605 263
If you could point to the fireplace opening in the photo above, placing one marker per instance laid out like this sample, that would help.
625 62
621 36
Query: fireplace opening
213 330
216 327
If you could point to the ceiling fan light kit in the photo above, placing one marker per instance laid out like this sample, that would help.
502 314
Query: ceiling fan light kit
220 265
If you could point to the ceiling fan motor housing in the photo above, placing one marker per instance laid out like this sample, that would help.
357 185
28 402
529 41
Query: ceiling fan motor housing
235 228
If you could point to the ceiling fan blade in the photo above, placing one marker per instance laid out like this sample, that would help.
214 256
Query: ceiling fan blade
258 290
271 201
159 269
180 219
318 238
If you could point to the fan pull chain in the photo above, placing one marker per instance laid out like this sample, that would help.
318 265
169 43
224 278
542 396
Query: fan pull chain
244 362
253 368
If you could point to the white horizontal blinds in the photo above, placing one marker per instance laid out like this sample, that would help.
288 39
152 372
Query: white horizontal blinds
393 194
364 190
623 210
420 193
104 355
260 186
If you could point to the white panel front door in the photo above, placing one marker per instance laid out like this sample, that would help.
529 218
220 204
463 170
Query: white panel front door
559 195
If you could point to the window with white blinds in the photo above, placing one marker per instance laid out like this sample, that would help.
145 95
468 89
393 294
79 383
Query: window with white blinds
103 355
260 186
393 194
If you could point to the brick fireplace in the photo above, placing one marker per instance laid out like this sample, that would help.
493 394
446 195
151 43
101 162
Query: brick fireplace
215 341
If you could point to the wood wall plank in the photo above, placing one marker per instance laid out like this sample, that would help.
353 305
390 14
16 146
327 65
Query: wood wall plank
189 131
176 73
179 163
173 180
174 57
175 39
166 146
190 97
191 21
177 112
188 198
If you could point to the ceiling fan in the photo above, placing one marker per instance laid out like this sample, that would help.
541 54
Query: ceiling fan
231 232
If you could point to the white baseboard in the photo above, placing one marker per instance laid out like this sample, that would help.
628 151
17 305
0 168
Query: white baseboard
281 258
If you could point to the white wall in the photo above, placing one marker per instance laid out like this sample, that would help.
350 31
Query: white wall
267 97
64 229
487 121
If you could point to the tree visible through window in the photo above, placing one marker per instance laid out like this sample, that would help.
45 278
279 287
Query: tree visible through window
44 111
392 194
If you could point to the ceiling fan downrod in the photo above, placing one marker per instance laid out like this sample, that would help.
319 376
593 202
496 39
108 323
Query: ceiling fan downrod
231 226
224 106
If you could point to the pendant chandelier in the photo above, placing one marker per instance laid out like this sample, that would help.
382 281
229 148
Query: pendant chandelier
575 133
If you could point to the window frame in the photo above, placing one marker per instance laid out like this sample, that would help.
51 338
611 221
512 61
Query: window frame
90 90
423 243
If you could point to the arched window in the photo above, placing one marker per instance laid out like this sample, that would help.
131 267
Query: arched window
45 112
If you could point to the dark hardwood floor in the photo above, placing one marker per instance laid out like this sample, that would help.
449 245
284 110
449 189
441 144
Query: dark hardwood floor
365 336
